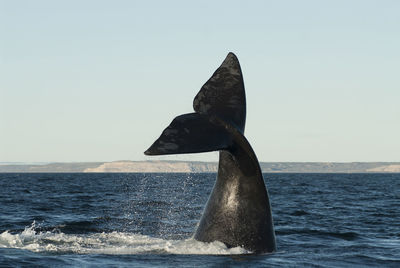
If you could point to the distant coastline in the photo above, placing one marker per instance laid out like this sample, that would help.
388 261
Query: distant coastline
198 167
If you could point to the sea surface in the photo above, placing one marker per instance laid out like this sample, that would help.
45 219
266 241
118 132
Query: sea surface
147 220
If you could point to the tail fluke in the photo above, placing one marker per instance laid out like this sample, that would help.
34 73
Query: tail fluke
190 133
220 102
223 94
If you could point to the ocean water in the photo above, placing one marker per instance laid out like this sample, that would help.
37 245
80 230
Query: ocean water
147 220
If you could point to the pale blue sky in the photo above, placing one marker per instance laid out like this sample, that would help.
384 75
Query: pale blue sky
100 80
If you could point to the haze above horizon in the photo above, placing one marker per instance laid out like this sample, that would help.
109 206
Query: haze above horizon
87 81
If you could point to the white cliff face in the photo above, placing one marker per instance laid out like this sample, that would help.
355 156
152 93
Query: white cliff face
388 168
154 166
199 167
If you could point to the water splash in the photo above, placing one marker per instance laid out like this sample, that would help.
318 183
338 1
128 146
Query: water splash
109 243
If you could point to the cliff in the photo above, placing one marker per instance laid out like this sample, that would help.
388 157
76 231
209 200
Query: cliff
197 167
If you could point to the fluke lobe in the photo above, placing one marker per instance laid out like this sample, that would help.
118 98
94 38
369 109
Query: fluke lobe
238 211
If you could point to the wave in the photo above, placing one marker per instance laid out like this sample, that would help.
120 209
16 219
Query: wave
114 243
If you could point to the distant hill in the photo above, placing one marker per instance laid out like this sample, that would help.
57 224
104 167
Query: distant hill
197 167
330 167
48 167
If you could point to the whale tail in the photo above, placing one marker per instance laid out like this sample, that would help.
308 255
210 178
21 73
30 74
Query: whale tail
223 94
221 98
190 133
238 212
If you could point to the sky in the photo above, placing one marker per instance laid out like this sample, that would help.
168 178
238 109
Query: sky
100 80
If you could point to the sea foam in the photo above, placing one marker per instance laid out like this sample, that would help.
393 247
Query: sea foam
109 243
